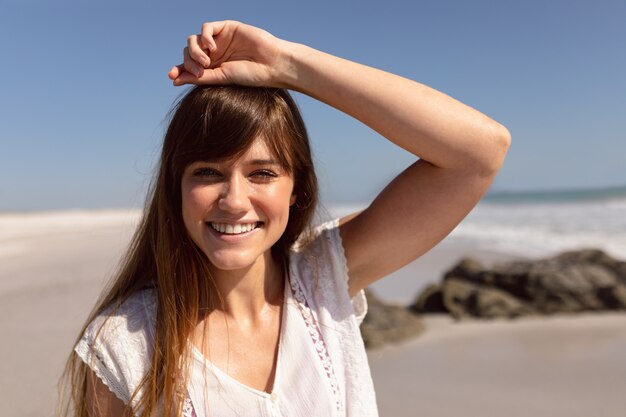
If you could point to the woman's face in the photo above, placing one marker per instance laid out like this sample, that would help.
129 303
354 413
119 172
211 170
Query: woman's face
235 210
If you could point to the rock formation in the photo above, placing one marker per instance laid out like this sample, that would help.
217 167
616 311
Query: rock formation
585 280
386 323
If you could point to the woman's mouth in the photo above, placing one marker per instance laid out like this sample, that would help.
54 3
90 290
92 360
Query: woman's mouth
234 229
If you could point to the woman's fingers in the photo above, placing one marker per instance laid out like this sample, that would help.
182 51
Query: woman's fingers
180 76
191 65
185 78
196 52
209 30
195 56
209 76
175 72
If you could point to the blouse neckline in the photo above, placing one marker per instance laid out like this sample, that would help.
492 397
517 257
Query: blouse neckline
223 376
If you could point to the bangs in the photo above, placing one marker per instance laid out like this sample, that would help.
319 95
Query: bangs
221 123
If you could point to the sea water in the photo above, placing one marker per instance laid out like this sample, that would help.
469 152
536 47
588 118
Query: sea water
538 224
545 223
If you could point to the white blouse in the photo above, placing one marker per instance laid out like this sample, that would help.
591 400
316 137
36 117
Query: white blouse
321 369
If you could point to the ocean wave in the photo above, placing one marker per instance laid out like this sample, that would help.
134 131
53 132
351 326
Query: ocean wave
536 229
535 241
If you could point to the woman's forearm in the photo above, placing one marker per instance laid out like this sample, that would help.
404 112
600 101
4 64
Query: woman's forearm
424 121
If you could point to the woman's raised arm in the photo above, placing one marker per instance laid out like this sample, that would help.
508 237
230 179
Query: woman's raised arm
460 149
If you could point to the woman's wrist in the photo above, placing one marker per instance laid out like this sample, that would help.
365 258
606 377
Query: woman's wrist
288 73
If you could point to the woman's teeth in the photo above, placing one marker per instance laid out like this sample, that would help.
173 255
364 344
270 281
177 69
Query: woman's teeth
235 229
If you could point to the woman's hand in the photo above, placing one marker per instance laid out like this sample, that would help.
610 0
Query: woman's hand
230 52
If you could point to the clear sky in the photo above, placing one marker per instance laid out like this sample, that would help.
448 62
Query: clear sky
85 91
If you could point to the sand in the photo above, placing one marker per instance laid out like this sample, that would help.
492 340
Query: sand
558 366
542 367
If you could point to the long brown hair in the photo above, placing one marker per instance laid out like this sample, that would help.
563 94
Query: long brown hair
207 123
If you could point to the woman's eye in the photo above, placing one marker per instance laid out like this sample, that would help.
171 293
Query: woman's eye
264 175
205 172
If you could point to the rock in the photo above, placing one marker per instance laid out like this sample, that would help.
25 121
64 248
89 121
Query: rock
464 299
585 280
385 323
613 298
430 300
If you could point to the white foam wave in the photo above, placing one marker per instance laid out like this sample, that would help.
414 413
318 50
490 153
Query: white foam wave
535 229
535 241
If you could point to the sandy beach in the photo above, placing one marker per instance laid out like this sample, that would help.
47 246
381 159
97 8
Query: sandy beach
540 367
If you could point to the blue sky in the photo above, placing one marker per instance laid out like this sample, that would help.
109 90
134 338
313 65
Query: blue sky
85 90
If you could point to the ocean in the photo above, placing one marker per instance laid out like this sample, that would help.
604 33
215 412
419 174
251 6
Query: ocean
543 223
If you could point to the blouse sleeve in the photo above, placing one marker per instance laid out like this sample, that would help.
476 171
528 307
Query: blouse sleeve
117 345
324 269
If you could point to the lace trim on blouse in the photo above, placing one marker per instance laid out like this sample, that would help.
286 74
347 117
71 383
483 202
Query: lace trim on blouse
188 410
318 340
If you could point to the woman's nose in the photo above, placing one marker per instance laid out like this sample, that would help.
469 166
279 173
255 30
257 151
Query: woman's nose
234 196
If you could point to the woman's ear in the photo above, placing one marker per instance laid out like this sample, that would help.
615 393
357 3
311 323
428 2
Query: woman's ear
292 200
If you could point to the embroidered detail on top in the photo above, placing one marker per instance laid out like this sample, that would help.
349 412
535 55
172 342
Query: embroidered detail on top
188 410
318 340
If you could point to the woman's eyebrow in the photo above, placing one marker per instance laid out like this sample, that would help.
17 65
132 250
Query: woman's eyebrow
264 162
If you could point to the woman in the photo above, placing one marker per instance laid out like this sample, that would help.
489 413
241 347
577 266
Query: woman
217 309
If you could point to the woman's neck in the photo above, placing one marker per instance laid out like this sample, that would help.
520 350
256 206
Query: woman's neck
245 293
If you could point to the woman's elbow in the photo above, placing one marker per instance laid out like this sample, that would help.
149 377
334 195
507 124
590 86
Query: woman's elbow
504 142
500 142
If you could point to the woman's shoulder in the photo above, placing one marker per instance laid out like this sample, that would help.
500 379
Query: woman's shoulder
135 314
118 343
121 327
318 264
320 251
321 237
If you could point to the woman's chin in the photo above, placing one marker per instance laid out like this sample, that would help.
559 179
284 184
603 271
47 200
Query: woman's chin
233 262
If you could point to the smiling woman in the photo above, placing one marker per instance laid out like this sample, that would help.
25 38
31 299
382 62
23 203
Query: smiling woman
228 303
